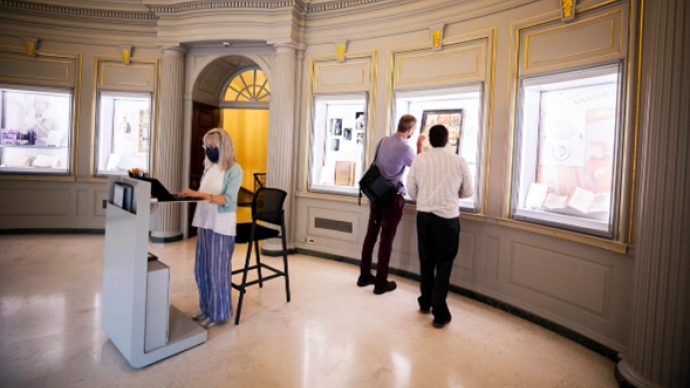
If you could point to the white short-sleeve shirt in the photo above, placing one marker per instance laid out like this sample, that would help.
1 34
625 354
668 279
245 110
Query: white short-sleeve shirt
207 215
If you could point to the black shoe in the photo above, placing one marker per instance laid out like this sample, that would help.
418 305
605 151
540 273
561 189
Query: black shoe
366 280
439 323
387 287
422 308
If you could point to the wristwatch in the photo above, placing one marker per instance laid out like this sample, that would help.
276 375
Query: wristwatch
211 198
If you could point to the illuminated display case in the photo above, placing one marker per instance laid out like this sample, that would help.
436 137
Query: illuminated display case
35 131
459 109
567 150
123 134
338 143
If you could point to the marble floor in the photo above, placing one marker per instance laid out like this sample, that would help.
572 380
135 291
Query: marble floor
332 334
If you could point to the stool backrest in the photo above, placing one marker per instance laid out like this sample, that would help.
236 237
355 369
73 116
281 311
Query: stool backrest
267 205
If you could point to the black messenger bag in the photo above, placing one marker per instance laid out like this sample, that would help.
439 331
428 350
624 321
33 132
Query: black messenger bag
380 191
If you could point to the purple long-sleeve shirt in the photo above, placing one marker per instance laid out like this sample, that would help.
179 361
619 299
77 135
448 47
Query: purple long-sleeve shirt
393 156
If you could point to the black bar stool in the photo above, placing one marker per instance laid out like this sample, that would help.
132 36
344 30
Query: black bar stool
267 206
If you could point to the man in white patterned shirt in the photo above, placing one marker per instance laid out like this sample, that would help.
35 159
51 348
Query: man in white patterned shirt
436 180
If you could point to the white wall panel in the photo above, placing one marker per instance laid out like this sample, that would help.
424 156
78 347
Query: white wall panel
336 76
466 252
567 278
128 77
59 72
99 197
453 64
592 38
26 202
491 257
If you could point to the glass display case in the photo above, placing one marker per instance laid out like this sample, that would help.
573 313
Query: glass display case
338 143
459 109
566 150
35 131
123 134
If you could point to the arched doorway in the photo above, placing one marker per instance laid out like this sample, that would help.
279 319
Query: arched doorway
232 93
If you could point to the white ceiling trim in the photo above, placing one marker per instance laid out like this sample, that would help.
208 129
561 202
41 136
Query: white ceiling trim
74 11
156 10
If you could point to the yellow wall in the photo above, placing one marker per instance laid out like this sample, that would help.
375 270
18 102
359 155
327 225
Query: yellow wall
248 129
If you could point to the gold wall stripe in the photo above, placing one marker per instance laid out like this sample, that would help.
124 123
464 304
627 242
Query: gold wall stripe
637 125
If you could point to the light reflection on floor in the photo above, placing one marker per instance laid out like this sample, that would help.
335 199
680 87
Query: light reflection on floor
332 334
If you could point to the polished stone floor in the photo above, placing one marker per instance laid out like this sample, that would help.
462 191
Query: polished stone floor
332 334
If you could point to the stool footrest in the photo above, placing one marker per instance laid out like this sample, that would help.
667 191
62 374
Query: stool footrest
253 282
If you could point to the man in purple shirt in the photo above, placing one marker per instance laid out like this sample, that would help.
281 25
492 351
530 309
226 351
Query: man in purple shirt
392 156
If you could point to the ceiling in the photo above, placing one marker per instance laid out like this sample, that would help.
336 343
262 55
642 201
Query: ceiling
131 5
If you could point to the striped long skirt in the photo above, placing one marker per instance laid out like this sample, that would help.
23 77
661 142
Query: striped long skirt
213 273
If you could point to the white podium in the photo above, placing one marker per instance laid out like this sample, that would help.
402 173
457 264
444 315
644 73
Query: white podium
125 278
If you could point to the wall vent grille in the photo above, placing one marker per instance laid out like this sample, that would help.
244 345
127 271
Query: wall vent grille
338 226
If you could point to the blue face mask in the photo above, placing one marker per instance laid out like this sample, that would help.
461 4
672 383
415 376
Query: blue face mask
213 154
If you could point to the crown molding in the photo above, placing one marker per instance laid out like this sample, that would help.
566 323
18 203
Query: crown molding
340 5
159 9
78 12
219 5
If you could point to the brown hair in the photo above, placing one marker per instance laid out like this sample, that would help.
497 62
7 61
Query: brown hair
406 123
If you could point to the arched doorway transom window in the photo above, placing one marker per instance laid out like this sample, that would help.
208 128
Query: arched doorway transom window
249 86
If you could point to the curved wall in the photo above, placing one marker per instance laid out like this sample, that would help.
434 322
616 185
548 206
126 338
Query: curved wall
582 283
579 282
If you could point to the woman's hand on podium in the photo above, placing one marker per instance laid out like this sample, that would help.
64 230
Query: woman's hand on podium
189 193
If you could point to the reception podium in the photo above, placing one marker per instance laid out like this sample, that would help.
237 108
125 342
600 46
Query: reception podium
137 315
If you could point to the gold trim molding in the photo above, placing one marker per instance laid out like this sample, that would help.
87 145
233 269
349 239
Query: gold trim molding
76 107
621 242
372 57
109 60
567 10
488 89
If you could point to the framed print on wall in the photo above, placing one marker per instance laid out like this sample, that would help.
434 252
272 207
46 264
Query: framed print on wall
451 119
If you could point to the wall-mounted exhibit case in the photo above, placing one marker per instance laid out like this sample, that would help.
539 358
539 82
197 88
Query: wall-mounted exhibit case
449 82
35 130
338 143
459 110
125 118
341 97
123 134
572 142
566 150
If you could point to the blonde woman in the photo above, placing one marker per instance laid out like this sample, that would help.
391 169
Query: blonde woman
217 222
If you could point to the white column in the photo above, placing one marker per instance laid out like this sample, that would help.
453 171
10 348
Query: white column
659 351
281 130
170 141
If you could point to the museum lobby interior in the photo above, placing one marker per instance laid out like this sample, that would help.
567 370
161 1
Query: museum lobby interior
573 268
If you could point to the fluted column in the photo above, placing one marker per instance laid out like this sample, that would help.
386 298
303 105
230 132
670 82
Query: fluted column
281 131
170 140
659 350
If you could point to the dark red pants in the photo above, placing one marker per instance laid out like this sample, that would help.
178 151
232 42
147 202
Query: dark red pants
386 220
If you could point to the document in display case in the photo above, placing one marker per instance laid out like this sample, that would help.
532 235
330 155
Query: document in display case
35 132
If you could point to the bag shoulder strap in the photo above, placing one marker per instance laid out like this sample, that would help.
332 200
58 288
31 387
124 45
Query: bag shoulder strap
378 148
